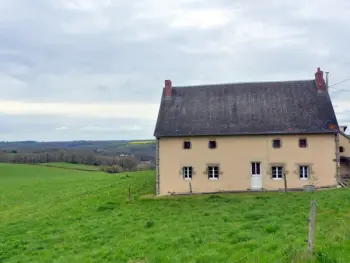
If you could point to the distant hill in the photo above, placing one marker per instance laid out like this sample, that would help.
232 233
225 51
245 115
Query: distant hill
74 144
143 149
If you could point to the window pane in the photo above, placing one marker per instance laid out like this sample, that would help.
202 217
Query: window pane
213 172
302 143
187 145
253 168
216 172
277 172
187 172
280 172
210 171
276 143
304 172
212 144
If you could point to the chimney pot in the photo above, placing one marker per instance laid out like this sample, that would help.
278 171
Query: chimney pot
168 88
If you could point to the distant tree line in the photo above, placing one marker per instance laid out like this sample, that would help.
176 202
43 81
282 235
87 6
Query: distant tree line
108 163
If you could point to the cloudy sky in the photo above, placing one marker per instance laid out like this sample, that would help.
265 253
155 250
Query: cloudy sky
94 69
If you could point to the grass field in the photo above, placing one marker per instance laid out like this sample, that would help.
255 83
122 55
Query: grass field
72 166
59 215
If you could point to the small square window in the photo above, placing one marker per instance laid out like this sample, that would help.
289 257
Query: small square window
212 144
303 172
213 172
187 172
187 145
341 149
277 172
276 143
302 143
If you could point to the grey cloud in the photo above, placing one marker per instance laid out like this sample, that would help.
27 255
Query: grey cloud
48 128
119 51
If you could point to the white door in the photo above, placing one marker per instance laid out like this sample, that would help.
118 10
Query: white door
256 181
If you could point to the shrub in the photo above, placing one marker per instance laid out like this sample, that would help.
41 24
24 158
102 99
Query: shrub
112 169
145 167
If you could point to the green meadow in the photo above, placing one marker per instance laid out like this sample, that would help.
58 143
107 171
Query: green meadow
72 166
50 214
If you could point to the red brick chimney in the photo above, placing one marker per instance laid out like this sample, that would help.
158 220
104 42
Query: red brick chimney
168 88
319 80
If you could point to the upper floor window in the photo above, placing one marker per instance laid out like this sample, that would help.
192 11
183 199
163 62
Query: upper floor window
341 149
187 172
276 143
212 144
213 172
302 143
187 145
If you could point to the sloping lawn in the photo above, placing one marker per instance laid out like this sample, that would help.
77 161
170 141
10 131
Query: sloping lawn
57 215
72 166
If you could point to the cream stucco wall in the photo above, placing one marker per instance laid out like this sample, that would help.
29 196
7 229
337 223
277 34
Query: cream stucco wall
234 154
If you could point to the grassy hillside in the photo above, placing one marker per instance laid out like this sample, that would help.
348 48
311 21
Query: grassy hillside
71 166
59 215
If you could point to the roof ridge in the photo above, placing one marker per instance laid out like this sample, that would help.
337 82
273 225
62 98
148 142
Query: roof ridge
241 83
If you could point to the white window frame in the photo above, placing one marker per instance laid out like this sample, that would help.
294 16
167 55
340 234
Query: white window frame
212 170
187 172
304 172
254 166
278 172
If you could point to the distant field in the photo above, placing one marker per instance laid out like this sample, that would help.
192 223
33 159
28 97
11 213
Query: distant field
72 166
59 215
142 142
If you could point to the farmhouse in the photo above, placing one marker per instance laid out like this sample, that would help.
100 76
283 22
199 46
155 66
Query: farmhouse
248 136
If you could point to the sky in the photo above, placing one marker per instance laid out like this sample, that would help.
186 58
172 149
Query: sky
95 69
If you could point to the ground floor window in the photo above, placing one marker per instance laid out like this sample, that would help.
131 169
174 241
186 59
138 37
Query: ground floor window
187 172
213 172
277 172
304 172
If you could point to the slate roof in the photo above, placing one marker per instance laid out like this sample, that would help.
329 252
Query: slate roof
246 108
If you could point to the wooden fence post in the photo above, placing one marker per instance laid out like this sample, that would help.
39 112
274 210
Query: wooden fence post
312 220
285 182
129 193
